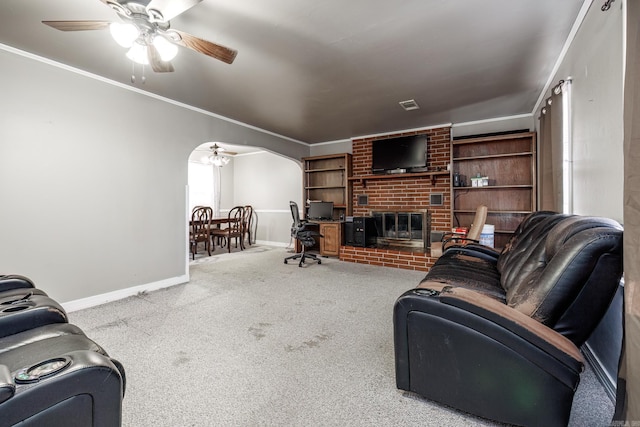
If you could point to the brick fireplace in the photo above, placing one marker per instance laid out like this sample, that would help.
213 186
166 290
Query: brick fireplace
401 193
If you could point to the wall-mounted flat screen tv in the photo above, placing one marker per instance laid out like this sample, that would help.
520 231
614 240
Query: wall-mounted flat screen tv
407 152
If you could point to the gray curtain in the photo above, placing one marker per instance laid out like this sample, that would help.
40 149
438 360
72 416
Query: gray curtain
628 402
550 157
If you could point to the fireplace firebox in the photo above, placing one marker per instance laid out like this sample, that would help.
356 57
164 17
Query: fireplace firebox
410 229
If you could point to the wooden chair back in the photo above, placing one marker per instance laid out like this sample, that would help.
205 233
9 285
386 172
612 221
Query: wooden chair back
200 228
478 223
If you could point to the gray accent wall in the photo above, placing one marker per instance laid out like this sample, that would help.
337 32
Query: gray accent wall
93 179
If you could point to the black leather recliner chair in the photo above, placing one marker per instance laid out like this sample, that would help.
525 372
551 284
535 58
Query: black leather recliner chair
51 374
498 334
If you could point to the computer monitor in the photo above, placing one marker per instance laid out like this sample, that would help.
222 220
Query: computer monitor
320 211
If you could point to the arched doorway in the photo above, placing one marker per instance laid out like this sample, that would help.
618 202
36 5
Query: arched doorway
252 176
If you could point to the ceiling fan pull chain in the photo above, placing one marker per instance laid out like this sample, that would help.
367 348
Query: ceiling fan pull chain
144 78
133 72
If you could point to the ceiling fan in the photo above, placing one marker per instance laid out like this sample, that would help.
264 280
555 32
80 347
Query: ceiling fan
219 160
216 148
146 31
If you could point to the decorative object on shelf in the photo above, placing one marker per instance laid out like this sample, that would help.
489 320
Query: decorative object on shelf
479 181
456 180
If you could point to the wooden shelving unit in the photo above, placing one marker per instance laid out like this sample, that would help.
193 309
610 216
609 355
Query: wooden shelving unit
510 163
326 178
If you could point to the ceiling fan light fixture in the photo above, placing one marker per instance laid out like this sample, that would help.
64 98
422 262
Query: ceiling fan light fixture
124 34
138 54
218 161
166 49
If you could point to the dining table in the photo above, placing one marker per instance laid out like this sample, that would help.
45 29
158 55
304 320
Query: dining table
218 222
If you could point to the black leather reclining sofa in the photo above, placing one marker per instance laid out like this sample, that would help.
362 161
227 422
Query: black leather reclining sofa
51 374
497 334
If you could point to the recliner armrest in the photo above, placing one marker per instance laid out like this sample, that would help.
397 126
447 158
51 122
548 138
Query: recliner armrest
14 281
476 250
490 318
21 313
7 386
524 326
466 350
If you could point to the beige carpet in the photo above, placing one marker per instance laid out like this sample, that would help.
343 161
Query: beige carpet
251 341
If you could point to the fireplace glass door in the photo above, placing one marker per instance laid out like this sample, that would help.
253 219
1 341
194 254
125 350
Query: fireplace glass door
402 228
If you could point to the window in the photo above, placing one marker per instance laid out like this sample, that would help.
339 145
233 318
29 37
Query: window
201 185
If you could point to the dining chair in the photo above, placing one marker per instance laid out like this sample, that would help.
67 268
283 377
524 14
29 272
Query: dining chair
200 229
248 223
234 228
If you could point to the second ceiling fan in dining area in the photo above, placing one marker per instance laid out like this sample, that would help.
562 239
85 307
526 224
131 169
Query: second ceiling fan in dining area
218 159
145 30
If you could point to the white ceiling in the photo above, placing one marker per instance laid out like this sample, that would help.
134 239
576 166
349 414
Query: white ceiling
329 70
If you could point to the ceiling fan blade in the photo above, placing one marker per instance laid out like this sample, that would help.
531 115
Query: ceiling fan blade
216 51
157 64
77 25
217 149
169 9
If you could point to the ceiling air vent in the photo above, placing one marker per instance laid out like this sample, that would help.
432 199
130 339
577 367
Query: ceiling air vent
409 105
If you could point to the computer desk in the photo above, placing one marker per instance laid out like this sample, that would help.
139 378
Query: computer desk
329 244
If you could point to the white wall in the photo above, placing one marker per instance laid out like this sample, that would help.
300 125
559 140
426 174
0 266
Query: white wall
594 61
93 179
268 182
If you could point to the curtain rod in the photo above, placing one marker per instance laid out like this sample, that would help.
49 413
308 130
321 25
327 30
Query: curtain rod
607 5
558 88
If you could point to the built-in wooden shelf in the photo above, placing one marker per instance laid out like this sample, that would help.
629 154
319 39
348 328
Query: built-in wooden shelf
325 178
325 170
494 187
509 162
494 156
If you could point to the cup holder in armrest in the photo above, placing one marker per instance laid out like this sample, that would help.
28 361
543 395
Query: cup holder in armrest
42 370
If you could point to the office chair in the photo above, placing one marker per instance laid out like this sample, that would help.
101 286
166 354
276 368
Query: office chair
301 231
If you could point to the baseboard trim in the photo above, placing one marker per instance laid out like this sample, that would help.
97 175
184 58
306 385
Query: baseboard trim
268 243
607 382
96 300
92 301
